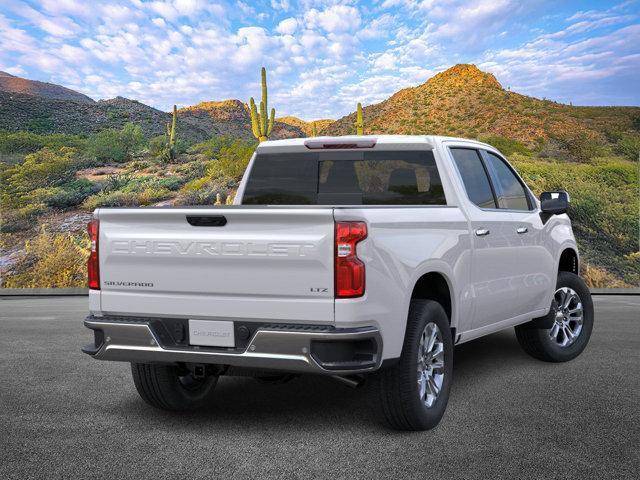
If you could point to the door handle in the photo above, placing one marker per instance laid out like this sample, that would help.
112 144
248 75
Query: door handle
481 232
522 230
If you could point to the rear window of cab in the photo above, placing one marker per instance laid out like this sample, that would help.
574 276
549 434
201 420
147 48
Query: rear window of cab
393 177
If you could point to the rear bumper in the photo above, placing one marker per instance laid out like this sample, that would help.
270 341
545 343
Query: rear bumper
294 348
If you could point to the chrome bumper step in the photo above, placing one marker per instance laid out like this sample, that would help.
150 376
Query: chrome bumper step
311 349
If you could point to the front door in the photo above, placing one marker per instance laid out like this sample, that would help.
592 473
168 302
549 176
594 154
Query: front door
504 229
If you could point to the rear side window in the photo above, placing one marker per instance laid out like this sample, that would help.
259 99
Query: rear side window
345 178
474 176
509 190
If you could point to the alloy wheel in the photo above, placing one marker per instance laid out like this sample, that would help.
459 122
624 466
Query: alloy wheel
569 317
430 364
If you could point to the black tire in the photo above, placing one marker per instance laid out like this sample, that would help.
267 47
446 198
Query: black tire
538 343
173 388
402 406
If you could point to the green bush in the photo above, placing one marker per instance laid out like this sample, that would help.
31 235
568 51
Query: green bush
581 146
68 195
126 199
28 142
44 169
507 146
116 145
604 207
629 146
16 220
157 145
52 261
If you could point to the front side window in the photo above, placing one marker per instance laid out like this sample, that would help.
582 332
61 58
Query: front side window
474 176
509 190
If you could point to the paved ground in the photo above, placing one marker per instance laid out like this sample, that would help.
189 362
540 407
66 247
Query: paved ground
63 415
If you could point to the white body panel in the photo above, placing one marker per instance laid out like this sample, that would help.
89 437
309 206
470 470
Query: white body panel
276 263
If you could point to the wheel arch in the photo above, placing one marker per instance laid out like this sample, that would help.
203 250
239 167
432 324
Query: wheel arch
569 261
436 286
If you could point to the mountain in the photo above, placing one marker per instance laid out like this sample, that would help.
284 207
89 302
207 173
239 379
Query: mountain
306 126
48 108
231 117
16 85
464 101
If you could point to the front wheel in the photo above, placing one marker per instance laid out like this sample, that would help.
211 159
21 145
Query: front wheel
172 387
415 391
569 325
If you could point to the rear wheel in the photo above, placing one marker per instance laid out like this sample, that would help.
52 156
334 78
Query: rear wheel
170 387
415 391
569 324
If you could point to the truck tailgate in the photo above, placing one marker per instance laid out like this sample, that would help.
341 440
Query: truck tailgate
263 264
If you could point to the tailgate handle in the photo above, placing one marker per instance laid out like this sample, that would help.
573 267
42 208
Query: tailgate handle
207 221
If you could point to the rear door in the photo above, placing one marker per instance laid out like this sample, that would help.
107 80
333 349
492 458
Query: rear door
260 264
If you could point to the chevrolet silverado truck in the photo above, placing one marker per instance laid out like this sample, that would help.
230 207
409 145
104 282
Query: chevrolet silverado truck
342 256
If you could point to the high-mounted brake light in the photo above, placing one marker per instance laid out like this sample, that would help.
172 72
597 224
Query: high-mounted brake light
340 143
349 269
93 267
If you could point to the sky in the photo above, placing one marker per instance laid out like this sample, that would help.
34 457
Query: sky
322 56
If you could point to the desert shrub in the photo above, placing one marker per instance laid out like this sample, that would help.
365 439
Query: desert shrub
126 199
600 278
116 145
51 261
171 183
629 146
68 195
507 146
111 199
604 208
19 219
225 145
44 169
116 182
40 125
201 196
28 142
157 145
579 146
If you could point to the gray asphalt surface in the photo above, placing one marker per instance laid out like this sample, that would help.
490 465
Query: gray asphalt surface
64 415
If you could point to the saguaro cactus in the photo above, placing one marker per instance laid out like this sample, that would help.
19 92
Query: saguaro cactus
260 124
171 135
314 130
359 125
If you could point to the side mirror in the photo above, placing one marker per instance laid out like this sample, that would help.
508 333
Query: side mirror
554 203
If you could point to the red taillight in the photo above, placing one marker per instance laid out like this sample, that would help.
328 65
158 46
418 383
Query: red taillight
93 268
349 268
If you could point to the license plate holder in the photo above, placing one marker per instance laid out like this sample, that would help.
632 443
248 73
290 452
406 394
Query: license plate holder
211 333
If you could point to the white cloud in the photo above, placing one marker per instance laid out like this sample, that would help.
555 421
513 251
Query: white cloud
280 5
159 22
335 19
56 26
287 26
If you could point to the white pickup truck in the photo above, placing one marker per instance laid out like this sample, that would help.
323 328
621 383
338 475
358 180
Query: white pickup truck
342 256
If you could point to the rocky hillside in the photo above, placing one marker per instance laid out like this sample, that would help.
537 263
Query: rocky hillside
46 108
231 117
464 101
12 84
306 126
